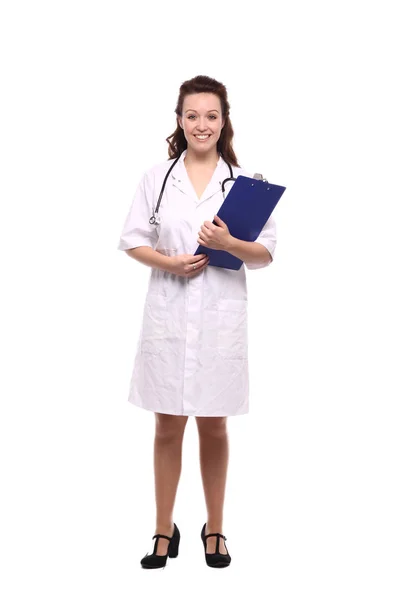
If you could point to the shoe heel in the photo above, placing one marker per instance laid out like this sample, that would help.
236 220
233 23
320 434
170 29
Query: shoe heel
173 549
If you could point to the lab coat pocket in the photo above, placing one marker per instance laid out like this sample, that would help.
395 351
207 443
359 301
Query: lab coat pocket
154 324
232 328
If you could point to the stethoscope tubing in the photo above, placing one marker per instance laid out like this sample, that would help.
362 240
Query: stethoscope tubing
152 219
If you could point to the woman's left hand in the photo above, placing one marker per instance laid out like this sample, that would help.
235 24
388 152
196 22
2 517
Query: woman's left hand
213 236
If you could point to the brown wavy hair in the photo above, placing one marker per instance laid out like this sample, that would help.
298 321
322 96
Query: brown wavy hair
201 83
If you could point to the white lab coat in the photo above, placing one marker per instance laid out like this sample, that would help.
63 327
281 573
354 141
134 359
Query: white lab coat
191 356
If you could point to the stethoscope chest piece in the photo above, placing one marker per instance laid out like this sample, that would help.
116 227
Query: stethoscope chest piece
155 219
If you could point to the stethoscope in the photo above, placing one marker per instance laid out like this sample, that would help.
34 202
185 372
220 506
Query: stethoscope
155 219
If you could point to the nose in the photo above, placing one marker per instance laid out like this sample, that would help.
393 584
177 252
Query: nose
202 125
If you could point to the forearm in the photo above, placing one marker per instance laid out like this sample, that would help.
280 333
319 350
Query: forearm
150 257
250 252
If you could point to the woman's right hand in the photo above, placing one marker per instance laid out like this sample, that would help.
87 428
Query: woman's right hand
182 264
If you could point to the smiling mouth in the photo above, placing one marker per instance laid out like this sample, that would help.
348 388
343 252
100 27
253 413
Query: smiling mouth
202 137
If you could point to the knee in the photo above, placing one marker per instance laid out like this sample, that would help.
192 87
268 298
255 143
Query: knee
214 427
170 428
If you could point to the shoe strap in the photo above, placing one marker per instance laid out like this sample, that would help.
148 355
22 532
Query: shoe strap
160 535
219 535
157 536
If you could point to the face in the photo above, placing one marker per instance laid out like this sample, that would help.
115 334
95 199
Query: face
201 116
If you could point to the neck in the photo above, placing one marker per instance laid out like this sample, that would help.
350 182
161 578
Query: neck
204 159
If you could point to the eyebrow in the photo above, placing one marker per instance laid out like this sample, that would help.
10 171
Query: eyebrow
192 109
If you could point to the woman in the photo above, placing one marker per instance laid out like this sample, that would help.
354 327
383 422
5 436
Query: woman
191 357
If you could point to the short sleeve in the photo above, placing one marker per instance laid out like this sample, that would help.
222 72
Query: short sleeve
267 238
137 230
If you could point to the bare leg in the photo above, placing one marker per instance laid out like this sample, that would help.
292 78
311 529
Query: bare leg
214 454
167 470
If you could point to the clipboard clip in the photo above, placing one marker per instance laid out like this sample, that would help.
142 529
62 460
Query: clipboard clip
255 176
259 177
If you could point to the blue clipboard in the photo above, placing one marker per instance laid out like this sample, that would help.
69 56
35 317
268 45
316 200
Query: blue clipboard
246 208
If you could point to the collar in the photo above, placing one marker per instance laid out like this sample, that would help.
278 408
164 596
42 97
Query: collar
179 172
182 157
181 179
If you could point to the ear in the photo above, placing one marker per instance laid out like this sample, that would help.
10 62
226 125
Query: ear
180 122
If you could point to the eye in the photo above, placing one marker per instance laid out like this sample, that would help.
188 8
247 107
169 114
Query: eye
213 116
190 116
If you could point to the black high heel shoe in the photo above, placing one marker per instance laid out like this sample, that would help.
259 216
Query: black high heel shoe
155 561
215 559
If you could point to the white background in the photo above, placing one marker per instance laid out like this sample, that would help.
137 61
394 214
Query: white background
89 92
